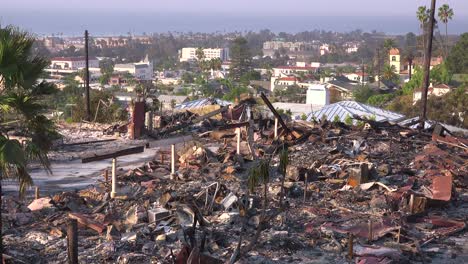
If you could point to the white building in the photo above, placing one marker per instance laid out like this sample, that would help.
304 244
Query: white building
358 77
72 63
142 70
287 70
317 94
351 47
190 54
436 90
324 49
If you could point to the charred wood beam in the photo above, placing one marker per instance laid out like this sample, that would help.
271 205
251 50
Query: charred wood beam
89 142
190 122
231 126
275 113
123 152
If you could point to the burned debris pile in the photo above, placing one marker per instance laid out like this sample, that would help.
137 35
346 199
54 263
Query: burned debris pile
251 191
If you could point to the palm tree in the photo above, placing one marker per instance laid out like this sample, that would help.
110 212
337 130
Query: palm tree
20 108
388 73
389 44
409 58
423 16
445 14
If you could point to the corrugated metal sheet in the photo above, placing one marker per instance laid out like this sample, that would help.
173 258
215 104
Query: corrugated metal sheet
349 108
201 103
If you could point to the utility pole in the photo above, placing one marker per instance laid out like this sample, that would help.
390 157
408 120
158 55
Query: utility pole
88 105
378 67
362 77
427 64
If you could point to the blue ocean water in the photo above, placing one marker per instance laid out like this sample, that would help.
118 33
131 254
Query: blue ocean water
115 23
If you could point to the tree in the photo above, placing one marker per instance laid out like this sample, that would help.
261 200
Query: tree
389 74
389 44
21 108
457 61
240 58
363 93
445 14
423 17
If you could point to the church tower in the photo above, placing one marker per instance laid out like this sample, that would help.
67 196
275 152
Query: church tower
394 59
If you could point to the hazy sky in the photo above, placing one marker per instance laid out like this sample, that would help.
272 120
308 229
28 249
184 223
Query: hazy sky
264 7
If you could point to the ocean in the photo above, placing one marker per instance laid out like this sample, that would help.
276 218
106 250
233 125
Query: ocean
107 22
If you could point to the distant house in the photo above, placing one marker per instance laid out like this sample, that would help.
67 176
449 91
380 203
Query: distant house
287 70
190 54
72 63
342 89
345 109
436 90
169 102
287 81
359 77
142 70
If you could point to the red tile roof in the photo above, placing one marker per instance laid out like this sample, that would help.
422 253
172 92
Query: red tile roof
296 68
293 79
394 51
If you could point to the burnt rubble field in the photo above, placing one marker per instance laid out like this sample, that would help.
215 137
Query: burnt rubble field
376 193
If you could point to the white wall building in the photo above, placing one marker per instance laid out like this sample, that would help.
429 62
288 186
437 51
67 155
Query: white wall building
142 70
72 63
287 70
436 90
189 54
317 94
358 77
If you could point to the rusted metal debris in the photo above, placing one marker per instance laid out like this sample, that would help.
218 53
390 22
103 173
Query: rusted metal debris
382 193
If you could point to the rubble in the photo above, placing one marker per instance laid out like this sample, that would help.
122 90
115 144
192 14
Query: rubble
378 194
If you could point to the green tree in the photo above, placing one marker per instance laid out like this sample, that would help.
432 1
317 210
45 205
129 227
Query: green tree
457 60
388 73
21 109
440 74
389 44
363 93
240 58
445 14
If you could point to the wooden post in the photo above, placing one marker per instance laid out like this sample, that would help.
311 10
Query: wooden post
238 131
106 175
173 159
398 235
36 194
427 65
305 187
350 246
370 235
411 204
276 128
72 241
114 178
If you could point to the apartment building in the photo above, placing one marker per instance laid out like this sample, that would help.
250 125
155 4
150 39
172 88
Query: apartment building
72 63
190 54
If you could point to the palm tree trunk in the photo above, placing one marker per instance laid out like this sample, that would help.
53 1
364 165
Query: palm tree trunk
446 41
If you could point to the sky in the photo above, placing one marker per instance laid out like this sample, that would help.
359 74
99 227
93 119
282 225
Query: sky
51 15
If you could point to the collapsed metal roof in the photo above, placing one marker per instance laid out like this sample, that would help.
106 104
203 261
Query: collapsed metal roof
202 102
349 108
